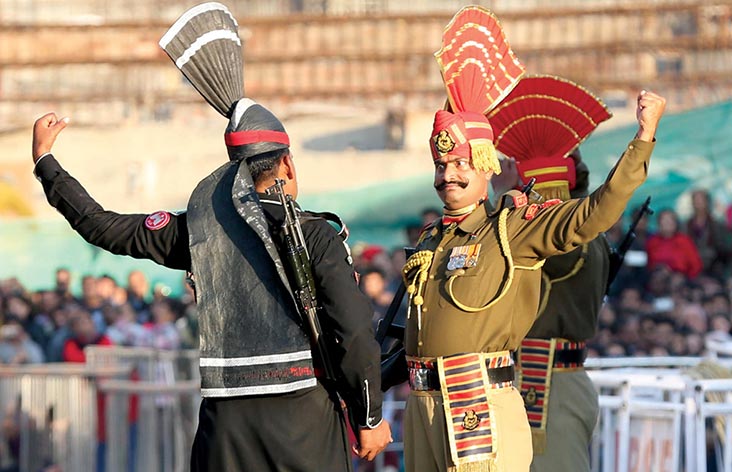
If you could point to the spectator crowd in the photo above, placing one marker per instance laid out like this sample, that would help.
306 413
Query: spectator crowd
671 295
54 326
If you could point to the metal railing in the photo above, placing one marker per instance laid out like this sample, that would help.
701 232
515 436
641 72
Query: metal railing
52 412
133 409
160 435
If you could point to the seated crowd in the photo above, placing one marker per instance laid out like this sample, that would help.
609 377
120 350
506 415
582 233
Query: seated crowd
671 294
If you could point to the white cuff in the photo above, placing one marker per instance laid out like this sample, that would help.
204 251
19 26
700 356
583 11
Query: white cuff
369 426
37 162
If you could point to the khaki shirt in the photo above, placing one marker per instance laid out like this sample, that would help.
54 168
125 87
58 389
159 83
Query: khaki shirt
446 328
572 305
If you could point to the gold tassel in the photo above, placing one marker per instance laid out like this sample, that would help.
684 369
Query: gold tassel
421 261
538 440
485 158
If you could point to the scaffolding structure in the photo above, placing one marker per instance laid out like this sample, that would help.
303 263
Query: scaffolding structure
89 56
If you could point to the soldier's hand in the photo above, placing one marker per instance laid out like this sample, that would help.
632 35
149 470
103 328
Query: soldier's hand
373 441
508 178
648 113
45 131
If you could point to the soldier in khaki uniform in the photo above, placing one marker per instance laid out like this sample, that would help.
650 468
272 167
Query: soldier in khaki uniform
474 291
559 397
561 402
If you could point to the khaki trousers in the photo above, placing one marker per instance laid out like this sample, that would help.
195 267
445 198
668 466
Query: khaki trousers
571 419
425 433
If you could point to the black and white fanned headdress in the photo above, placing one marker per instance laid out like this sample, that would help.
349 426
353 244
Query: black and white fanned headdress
204 44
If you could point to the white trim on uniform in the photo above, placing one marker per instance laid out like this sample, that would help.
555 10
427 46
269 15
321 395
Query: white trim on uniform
254 360
259 389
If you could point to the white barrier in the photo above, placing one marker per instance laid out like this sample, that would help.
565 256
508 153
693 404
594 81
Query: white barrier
652 410
653 414
164 428
153 365
164 393
640 421
54 408
719 408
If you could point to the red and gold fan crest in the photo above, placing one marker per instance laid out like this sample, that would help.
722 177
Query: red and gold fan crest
479 69
545 116
540 122
478 66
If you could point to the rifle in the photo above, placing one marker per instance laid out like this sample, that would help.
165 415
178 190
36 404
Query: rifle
301 276
394 361
386 324
303 284
528 189
618 256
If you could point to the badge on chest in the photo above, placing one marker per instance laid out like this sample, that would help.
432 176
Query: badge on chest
463 257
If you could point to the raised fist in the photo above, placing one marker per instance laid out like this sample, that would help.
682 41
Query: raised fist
648 113
45 131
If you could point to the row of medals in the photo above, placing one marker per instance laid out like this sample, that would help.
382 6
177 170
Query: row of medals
463 257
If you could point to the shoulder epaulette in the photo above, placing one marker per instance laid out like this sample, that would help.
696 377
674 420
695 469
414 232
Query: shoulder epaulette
512 199
329 217
534 208
427 230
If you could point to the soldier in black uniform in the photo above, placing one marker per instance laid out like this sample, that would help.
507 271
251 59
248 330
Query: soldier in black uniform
265 405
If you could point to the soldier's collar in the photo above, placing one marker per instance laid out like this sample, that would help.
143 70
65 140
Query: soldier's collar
273 200
476 219
457 216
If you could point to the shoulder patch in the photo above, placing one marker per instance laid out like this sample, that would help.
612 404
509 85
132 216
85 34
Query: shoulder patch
429 230
512 199
157 220
531 211
520 200
549 203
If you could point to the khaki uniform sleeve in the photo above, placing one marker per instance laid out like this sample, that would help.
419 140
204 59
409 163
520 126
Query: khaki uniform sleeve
564 226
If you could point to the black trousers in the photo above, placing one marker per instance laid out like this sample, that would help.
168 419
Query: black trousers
300 431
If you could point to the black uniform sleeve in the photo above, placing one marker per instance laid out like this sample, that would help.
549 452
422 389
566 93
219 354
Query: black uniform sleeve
119 234
348 312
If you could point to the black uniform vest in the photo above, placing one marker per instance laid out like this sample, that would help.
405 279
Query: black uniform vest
251 339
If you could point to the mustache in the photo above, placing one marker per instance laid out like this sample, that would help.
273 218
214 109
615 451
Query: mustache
444 183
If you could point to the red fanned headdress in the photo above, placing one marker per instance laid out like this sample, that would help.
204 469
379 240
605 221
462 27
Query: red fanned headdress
479 69
539 123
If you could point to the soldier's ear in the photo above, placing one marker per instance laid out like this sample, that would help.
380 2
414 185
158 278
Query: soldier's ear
287 167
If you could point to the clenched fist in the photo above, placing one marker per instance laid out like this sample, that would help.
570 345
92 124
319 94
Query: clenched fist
372 441
45 131
648 113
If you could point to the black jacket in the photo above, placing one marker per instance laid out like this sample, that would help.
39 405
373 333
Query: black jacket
347 311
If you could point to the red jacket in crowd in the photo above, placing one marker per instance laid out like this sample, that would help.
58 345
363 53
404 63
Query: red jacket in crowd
74 349
677 252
